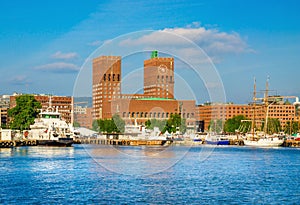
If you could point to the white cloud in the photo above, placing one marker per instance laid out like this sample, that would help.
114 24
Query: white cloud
20 80
64 56
58 67
212 41
95 43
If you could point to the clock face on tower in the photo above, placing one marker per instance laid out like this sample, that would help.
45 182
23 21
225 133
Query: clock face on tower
162 68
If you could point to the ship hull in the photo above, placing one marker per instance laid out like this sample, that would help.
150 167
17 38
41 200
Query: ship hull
61 142
264 143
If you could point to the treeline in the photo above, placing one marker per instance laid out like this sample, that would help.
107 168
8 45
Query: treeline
117 124
241 124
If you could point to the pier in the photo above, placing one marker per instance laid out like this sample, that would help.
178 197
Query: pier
133 142
124 142
17 143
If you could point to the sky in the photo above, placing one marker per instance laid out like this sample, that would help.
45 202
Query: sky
47 46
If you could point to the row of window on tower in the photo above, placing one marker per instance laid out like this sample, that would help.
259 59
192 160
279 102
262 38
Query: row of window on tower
164 80
111 77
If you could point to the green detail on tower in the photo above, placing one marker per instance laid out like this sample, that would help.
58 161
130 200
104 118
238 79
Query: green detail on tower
154 54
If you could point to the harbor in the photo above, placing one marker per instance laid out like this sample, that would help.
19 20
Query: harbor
135 142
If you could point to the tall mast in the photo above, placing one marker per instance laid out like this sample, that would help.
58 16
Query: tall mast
254 107
266 101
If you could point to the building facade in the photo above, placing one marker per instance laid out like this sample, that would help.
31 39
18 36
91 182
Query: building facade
157 101
106 82
285 113
159 77
83 116
4 105
64 104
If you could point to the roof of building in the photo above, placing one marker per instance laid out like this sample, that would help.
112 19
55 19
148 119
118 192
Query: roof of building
154 99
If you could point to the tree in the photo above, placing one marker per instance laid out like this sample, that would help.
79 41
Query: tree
273 126
119 123
216 126
150 124
24 113
291 127
95 126
116 124
231 125
175 122
76 124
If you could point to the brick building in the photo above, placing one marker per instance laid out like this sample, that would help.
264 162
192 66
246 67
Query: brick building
63 103
159 77
83 116
156 102
106 82
276 109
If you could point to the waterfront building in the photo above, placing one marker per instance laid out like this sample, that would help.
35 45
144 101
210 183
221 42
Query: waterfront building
278 109
106 82
157 101
83 116
62 103
159 77
4 105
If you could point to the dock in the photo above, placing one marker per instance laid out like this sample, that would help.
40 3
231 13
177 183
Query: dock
17 143
133 142
124 142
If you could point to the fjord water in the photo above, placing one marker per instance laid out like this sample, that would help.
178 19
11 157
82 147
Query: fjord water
94 174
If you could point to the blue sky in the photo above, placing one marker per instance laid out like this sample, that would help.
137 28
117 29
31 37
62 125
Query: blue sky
43 45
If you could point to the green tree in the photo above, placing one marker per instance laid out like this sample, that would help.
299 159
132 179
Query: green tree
175 122
291 127
119 123
216 126
150 124
231 125
76 124
116 124
273 126
95 126
24 113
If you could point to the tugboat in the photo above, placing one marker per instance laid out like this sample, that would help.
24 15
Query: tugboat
50 130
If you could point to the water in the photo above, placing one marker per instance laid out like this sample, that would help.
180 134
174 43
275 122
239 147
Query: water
151 175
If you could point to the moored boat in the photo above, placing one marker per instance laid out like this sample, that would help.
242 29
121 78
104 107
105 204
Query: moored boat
50 130
216 139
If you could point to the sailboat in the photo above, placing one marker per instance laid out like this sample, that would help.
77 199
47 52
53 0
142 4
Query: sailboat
261 139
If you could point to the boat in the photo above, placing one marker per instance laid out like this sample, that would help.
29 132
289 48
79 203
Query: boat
50 130
262 139
215 139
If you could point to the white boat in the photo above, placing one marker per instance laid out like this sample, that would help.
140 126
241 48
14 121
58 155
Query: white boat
262 139
50 130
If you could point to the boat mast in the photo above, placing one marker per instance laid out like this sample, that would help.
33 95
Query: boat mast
254 107
266 101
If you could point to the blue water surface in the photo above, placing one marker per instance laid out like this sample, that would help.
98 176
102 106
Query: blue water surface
96 174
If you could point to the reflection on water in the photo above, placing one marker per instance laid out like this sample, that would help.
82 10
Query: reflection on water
137 160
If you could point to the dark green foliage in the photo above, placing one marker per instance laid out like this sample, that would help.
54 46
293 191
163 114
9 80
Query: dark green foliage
175 122
114 125
292 129
24 113
150 124
273 126
171 125
231 125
